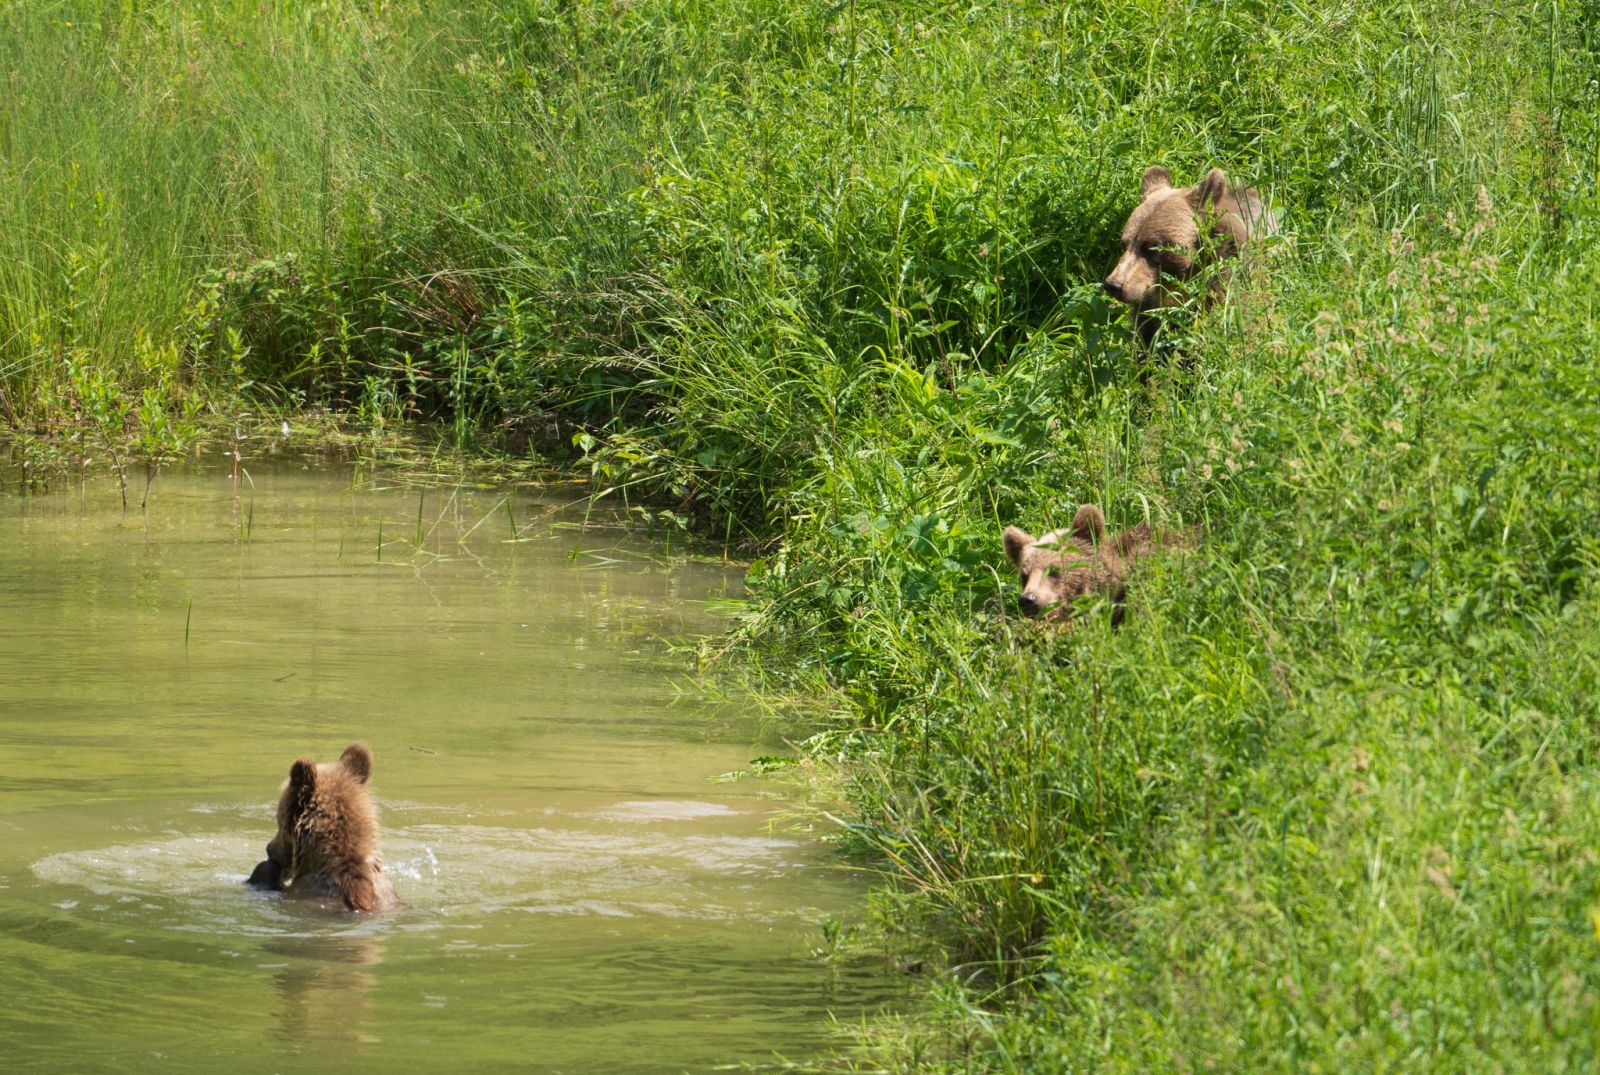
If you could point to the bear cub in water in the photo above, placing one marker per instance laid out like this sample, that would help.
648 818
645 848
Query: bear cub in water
1177 231
1063 565
326 846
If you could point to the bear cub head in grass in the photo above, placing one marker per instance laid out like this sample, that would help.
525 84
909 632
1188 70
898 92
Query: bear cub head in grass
326 847
1175 232
1064 565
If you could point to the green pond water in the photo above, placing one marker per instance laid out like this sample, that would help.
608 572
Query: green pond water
580 892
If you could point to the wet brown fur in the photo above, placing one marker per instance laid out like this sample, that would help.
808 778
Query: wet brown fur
1064 565
1177 231
326 846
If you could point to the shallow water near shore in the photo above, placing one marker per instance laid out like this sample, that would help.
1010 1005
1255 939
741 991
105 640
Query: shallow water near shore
581 894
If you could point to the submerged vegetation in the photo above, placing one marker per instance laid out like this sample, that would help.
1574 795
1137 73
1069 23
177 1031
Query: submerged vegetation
822 278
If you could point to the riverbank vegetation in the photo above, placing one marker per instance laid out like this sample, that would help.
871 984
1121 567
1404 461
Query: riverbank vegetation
821 281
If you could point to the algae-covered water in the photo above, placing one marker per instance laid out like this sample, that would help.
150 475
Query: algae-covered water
581 894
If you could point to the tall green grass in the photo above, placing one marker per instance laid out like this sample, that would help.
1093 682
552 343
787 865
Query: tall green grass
823 277
298 197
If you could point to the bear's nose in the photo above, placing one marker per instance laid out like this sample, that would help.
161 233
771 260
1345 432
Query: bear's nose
1112 286
1029 603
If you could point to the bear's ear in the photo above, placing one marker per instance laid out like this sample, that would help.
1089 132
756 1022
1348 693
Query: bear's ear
303 774
1210 189
1088 524
1016 540
1155 178
302 785
357 761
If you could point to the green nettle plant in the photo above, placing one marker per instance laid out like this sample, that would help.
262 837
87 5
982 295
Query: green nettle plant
821 284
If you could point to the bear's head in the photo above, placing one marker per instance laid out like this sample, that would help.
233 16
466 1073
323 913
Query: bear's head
1060 567
327 839
1172 233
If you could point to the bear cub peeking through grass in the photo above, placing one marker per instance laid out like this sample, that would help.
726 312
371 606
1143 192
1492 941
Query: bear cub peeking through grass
1064 565
326 846
1175 233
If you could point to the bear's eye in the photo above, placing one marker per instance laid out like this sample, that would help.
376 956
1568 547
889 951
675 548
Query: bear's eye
1052 572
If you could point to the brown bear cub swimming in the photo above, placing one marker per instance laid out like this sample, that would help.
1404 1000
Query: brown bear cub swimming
1177 231
1062 566
326 846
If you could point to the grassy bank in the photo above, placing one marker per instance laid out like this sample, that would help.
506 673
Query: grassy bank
822 279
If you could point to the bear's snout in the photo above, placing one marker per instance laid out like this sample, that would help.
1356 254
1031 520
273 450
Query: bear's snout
266 877
1131 278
